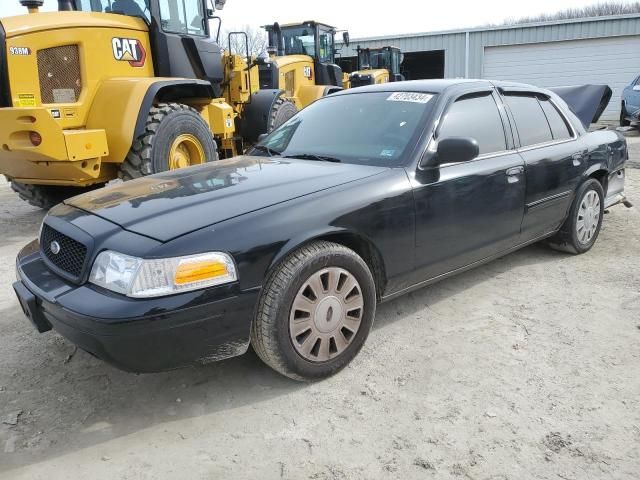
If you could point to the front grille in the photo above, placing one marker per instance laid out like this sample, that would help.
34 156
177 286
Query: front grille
5 94
59 72
72 254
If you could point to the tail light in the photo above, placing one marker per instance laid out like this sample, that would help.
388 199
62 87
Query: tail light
36 138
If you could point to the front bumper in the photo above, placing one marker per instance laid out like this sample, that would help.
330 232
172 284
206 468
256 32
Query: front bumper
141 336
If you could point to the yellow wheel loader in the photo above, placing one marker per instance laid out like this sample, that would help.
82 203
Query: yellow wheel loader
106 89
302 62
377 65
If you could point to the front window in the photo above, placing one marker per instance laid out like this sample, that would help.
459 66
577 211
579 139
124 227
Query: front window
376 59
367 128
131 8
299 41
184 17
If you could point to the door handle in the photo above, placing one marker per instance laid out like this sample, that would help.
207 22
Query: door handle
513 174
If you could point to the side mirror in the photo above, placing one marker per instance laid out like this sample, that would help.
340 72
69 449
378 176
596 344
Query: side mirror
636 88
346 39
262 136
456 150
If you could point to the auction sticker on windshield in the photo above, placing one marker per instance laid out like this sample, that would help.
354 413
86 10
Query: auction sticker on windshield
413 97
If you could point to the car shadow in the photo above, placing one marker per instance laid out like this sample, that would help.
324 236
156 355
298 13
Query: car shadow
69 400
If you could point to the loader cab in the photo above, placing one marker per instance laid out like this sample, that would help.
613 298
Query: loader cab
182 43
385 58
311 39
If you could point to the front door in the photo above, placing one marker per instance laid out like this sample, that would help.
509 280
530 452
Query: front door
469 211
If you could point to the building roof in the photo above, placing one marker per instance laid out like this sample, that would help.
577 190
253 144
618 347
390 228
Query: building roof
630 16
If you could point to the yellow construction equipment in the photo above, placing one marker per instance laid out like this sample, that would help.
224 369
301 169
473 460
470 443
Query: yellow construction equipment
302 61
104 89
377 65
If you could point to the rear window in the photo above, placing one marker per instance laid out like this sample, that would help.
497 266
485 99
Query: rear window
531 122
559 127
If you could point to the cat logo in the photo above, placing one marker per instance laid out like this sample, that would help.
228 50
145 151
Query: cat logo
129 50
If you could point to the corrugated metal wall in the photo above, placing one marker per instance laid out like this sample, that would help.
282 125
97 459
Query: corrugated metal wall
453 43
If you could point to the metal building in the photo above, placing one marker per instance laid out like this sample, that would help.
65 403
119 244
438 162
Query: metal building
603 50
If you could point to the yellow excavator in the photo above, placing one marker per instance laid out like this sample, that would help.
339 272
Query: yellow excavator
106 89
302 61
377 65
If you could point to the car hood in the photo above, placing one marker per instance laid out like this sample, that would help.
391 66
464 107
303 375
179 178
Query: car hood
171 204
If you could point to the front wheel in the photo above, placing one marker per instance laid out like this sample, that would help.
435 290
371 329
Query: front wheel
315 312
582 227
623 118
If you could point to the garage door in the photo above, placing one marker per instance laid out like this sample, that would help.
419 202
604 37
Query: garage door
613 61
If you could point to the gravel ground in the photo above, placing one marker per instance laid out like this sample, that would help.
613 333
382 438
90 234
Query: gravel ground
524 368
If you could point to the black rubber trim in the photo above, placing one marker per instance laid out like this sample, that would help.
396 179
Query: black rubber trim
5 90
172 90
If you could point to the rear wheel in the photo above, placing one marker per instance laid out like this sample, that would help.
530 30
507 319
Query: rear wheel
175 137
47 196
582 227
315 312
623 119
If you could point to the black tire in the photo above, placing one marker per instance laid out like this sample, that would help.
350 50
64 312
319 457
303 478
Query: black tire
567 239
270 330
623 119
166 122
47 196
281 111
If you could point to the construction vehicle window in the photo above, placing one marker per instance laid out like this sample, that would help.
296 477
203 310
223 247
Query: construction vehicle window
378 128
131 8
299 41
326 47
183 16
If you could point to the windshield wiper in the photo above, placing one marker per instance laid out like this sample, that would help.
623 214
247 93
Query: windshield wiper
312 156
268 150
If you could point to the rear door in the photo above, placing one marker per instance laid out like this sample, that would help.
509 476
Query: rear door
553 155
468 211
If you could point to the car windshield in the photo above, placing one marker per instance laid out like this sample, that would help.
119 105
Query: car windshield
132 8
376 128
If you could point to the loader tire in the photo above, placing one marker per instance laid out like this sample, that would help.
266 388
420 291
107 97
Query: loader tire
47 196
281 111
175 136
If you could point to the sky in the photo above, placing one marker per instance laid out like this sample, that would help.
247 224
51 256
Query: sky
371 17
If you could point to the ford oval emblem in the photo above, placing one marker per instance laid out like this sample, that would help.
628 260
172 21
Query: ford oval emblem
55 247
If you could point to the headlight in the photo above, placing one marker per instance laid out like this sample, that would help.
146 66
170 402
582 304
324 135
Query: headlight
139 278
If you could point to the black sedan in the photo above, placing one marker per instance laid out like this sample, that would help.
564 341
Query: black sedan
361 197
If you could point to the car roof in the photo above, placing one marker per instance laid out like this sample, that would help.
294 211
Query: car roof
436 86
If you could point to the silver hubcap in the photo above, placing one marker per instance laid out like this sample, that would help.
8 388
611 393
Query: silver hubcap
588 217
326 314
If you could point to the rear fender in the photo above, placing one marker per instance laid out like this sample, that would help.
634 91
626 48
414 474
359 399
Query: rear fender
121 107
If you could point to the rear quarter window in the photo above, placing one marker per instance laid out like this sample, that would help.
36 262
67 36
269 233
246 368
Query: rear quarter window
558 124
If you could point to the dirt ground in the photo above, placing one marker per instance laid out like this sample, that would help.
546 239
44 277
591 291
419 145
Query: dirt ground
526 368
